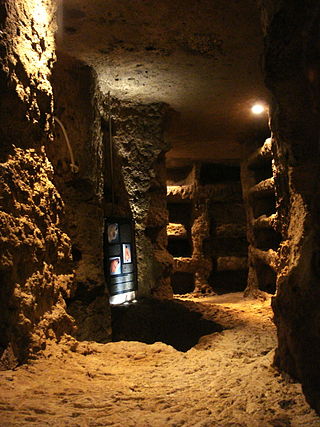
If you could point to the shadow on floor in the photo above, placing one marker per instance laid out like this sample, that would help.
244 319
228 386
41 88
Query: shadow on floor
167 321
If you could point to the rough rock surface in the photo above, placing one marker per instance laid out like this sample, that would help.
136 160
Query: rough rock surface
259 179
177 230
35 254
77 101
140 146
36 275
27 55
225 380
201 58
292 74
206 198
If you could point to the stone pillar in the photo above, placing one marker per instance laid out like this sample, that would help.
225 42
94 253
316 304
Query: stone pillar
77 100
139 146
207 228
258 183
35 271
292 74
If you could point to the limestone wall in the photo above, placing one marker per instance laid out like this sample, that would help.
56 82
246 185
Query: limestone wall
77 100
35 271
207 228
259 182
139 147
292 75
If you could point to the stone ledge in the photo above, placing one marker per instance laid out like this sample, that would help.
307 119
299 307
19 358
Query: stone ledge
191 265
266 222
258 158
232 263
179 192
269 257
263 188
231 230
176 230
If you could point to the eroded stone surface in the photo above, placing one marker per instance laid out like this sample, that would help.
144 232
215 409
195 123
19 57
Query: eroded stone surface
77 101
212 216
36 275
177 230
35 256
139 145
27 53
292 75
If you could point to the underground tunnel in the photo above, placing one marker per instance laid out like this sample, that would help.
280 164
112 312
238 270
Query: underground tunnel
159 211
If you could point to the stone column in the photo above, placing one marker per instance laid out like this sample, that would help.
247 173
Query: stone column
35 272
140 146
292 74
77 100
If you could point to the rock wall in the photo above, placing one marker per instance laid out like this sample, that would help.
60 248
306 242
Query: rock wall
207 228
27 54
77 103
139 148
292 74
35 270
259 179
227 245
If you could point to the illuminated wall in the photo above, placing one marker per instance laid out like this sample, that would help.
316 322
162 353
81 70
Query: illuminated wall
35 272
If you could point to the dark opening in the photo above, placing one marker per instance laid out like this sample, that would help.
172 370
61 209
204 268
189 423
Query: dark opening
228 212
267 238
207 246
76 253
178 247
263 171
182 283
180 213
264 206
224 282
178 176
212 173
230 246
152 321
266 278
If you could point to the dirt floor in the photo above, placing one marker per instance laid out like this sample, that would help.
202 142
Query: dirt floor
225 380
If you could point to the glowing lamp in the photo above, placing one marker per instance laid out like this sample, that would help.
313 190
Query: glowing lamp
258 109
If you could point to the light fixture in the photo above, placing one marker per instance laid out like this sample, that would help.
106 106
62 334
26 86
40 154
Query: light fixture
258 109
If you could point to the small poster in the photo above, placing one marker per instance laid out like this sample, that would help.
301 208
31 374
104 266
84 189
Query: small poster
113 233
120 259
115 265
126 253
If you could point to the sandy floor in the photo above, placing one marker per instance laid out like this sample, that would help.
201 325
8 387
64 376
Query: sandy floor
225 380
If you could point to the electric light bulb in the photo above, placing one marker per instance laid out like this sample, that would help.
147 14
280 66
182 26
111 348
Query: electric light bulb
258 109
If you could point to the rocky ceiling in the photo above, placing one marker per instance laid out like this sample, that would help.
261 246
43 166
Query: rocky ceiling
202 57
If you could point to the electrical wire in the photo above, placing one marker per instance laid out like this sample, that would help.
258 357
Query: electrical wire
74 168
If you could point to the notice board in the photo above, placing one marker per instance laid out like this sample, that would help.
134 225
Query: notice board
120 264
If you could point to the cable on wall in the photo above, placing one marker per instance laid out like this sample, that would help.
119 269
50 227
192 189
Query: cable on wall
111 151
74 168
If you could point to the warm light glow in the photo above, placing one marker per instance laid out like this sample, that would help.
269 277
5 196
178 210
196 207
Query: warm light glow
40 14
258 109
